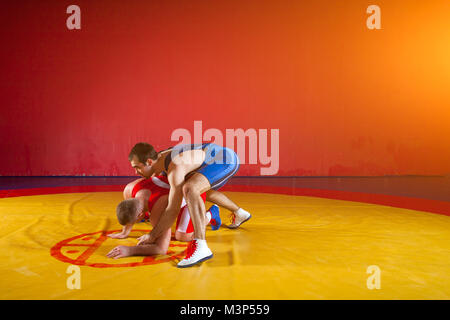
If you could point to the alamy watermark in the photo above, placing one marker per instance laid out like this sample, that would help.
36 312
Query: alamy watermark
258 141
74 280
374 280
73 21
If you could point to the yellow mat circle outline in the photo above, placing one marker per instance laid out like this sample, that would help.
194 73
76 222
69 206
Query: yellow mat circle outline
294 247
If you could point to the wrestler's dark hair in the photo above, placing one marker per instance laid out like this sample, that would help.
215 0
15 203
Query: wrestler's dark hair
127 211
143 151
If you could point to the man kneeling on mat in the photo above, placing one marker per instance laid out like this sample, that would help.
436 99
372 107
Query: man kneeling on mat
151 195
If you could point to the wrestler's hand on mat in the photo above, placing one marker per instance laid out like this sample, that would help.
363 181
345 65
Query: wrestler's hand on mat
126 229
120 252
118 235
145 239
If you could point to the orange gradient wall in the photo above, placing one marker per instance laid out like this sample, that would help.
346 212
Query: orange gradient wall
347 100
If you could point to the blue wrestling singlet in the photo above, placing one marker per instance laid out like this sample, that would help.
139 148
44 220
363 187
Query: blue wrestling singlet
219 166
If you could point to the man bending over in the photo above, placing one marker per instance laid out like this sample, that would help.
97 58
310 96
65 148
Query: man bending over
151 195
191 170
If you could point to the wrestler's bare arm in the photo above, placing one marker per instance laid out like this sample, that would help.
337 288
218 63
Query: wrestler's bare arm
161 244
176 180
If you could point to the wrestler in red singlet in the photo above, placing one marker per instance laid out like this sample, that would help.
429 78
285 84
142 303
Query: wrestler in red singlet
159 186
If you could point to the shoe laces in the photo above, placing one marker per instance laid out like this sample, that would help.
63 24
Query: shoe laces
232 218
191 249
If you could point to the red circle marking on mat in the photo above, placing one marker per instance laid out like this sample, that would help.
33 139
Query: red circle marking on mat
81 260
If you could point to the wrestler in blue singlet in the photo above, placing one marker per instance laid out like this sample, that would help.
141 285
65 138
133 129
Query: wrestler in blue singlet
219 166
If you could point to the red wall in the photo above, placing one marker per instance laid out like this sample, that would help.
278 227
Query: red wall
347 100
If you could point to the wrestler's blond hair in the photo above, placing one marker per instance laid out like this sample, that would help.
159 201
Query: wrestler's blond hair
128 210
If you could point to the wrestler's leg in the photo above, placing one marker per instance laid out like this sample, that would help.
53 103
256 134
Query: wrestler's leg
214 175
192 189
222 200
184 229
218 177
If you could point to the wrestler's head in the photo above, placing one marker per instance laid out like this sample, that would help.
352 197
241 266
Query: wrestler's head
142 157
130 211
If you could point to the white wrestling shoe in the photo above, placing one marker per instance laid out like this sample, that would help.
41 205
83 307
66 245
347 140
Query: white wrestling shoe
197 252
238 218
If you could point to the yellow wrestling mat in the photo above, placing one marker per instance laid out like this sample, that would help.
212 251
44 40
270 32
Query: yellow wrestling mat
294 247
